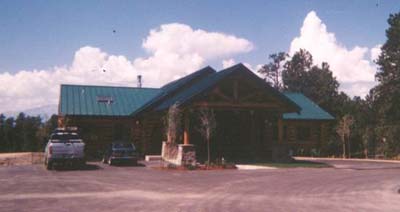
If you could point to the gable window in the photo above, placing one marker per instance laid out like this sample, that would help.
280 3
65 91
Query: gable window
105 99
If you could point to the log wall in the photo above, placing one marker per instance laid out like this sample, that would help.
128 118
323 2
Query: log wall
318 134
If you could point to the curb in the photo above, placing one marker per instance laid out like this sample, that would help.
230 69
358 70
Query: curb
347 159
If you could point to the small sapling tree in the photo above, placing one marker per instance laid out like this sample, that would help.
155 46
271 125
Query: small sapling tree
207 127
343 130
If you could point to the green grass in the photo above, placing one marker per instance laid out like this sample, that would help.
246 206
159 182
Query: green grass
294 164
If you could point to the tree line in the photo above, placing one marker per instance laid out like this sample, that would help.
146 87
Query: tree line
369 126
25 133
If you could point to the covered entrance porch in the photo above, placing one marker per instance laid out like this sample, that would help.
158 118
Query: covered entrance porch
248 114
240 135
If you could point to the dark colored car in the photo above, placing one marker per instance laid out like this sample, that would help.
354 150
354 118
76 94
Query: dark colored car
120 152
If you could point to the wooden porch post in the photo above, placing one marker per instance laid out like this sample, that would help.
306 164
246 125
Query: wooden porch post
280 130
61 121
186 129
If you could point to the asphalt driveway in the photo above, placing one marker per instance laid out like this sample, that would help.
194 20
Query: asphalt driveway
350 186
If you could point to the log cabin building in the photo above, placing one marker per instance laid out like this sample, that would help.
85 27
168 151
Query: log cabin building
252 119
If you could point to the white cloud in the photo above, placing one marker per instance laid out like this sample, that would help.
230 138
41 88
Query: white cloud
350 66
375 52
28 89
249 66
183 40
177 50
357 88
174 51
228 63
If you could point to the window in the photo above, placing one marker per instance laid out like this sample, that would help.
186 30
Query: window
105 99
64 137
124 146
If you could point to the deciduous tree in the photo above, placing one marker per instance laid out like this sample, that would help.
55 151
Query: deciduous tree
207 127
343 130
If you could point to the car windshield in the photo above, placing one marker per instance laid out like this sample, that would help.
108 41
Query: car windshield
123 146
65 137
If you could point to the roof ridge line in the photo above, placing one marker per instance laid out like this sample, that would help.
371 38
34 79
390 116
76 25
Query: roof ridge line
108 86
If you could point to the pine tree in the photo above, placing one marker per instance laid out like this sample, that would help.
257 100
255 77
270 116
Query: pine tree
295 71
2 138
272 70
386 94
388 91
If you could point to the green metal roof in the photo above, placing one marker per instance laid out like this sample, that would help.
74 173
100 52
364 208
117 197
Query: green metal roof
89 100
103 100
309 110
168 90
196 88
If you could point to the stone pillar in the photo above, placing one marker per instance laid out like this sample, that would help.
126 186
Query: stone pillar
188 154
180 155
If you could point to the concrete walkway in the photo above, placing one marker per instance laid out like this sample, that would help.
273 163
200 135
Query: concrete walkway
252 167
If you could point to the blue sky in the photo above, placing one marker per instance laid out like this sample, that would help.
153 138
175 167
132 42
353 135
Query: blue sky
39 35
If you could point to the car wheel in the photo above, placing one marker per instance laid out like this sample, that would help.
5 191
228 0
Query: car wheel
49 165
104 160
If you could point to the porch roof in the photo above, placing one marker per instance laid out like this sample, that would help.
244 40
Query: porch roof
309 109
170 89
206 83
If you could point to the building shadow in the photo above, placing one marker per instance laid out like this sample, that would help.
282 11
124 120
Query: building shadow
86 167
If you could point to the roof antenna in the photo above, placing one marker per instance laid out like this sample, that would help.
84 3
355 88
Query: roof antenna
139 81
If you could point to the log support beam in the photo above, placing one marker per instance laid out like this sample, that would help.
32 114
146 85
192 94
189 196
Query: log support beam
186 129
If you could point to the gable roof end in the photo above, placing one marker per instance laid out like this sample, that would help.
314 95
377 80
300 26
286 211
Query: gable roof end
173 87
184 96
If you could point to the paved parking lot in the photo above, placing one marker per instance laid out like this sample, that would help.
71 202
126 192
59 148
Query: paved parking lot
351 186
